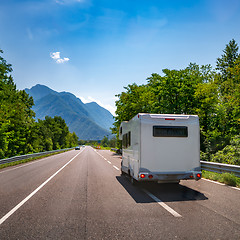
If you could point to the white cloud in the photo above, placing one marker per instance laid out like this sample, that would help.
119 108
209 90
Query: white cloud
109 107
55 55
62 60
94 100
84 100
57 58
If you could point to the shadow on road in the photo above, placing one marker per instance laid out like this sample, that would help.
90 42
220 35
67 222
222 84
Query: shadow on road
166 192
114 154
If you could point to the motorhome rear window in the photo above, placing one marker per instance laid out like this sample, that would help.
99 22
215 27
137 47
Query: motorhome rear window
170 131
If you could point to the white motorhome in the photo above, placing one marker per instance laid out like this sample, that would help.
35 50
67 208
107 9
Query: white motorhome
161 147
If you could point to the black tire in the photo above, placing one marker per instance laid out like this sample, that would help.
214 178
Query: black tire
123 173
133 181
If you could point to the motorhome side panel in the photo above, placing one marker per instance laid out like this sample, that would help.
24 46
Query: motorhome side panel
170 154
135 143
122 136
130 142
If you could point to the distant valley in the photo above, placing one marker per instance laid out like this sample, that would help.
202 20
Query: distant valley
89 121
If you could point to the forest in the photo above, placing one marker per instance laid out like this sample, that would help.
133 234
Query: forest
211 93
20 133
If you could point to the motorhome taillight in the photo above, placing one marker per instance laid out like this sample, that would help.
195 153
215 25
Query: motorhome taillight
150 176
142 176
170 119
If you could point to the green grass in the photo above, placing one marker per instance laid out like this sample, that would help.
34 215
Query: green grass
105 148
227 178
29 159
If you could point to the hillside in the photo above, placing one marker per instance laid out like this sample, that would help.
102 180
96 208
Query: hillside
89 121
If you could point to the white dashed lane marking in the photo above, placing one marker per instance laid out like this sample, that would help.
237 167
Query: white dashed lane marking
107 160
116 168
160 202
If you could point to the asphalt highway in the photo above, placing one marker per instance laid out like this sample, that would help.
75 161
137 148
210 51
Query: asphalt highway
81 195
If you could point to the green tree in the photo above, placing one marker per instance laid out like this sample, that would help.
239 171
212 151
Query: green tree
187 91
5 69
56 130
105 142
71 140
16 116
136 99
43 136
230 154
113 142
228 59
175 91
228 81
52 133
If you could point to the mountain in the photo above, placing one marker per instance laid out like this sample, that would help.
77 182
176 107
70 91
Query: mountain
89 121
103 118
39 91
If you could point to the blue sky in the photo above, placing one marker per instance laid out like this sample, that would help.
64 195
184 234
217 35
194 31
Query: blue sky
93 48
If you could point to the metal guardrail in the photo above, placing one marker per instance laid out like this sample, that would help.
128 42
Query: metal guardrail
220 167
22 157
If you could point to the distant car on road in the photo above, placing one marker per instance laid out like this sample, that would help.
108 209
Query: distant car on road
77 148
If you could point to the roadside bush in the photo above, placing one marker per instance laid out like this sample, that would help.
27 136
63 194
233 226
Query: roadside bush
211 175
229 179
230 154
204 156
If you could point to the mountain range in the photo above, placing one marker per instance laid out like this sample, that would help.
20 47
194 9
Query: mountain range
89 121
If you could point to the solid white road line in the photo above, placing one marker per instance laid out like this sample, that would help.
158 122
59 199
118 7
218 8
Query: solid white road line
236 188
4 218
213 181
115 167
164 205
